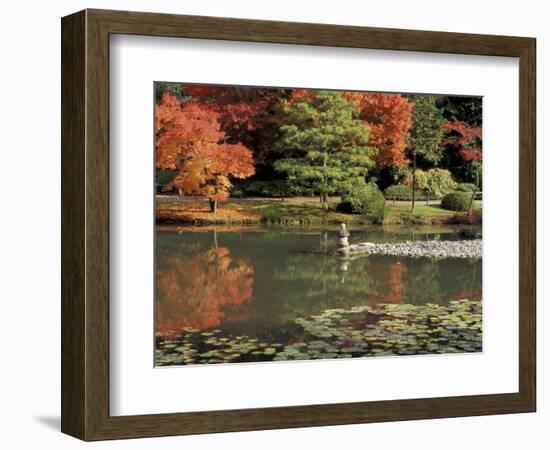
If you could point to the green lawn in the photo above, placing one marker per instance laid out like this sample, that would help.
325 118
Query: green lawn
313 213
298 212
422 214
288 213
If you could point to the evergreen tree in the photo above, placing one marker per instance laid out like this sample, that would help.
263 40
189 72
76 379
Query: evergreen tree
426 135
328 143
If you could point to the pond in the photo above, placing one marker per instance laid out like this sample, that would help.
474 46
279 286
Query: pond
267 294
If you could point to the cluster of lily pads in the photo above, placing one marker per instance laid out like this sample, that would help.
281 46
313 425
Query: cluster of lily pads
194 347
385 330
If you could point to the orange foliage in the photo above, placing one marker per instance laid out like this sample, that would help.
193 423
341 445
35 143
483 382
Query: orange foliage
390 118
197 291
392 279
189 139
300 95
199 214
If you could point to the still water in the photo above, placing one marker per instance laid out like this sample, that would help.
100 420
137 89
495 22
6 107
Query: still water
256 282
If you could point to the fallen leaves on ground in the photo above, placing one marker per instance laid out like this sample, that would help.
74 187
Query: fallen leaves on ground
199 214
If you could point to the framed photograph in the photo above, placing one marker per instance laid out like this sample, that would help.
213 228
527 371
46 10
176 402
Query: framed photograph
273 225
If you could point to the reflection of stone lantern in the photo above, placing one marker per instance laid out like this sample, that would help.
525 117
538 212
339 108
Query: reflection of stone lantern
343 235
343 248
344 267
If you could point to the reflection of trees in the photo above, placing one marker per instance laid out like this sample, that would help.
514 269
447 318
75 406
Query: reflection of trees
256 281
199 289
331 280
328 281
307 283
443 279
389 280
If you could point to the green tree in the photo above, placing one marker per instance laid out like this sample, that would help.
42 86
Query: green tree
328 143
176 89
426 135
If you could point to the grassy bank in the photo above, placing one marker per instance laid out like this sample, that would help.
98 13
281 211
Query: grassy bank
293 212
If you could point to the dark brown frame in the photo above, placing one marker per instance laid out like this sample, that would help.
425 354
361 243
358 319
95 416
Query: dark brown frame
85 224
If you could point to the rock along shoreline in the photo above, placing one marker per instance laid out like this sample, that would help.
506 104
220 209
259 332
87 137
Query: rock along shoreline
430 249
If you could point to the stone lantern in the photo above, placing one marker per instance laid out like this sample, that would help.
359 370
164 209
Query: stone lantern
343 235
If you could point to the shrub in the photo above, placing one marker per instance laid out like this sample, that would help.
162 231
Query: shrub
465 187
421 178
398 192
431 184
456 201
381 213
364 199
271 215
331 206
439 183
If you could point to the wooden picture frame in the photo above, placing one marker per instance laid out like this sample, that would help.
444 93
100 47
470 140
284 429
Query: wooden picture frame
85 224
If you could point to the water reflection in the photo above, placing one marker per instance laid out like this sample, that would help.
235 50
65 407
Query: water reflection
199 289
256 283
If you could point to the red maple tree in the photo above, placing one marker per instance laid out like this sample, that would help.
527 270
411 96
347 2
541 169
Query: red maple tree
390 118
466 139
189 140
251 116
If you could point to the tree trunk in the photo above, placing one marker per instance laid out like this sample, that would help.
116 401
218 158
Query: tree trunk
213 205
472 200
414 180
324 180
474 193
